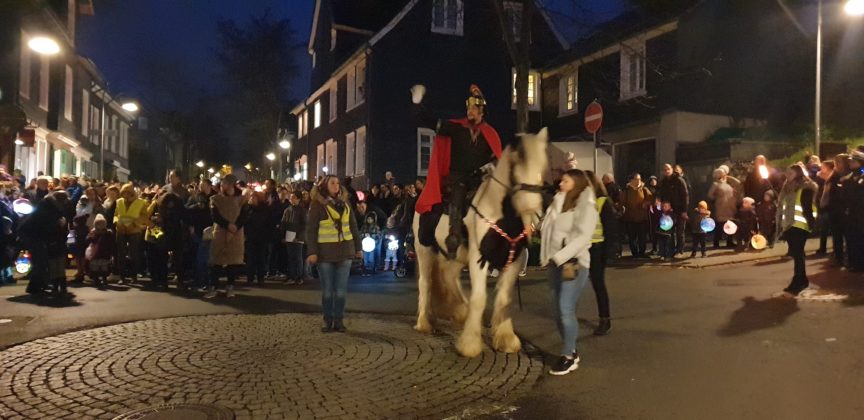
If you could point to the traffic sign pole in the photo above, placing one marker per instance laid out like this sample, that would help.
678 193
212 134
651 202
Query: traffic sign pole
593 122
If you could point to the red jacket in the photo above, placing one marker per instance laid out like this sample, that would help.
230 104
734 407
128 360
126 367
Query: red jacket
439 164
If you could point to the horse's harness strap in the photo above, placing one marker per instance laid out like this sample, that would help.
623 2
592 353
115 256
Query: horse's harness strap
511 254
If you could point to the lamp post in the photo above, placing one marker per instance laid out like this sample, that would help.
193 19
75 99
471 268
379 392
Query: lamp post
284 145
850 8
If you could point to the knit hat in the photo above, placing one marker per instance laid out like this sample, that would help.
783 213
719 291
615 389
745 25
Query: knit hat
702 205
99 222
724 168
748 200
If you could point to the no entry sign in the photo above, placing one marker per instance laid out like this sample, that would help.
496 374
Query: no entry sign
593 117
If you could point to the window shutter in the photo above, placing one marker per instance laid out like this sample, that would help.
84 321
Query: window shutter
350 154
562 95
350 91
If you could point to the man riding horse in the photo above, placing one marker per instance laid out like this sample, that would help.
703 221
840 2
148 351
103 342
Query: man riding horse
462 147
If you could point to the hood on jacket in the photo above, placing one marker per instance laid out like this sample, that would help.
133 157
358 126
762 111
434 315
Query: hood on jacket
316 196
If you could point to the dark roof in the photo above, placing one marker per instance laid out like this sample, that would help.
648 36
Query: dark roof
371 15
624 26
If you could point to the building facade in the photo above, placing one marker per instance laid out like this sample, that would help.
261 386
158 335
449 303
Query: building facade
55 108
366 56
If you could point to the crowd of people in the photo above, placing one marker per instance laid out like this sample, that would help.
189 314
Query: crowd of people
197 233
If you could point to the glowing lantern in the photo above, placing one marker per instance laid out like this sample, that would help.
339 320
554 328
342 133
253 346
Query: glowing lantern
758 242
665 222
707 225
730 228
763 171
361 196
22 263
392 243
22 206
368 244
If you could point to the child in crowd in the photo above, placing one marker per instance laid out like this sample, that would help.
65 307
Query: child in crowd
765 217
701 212
746 219
101 246
370 229
664 237
391 242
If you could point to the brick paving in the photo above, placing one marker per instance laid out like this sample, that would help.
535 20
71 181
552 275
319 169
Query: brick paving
275 366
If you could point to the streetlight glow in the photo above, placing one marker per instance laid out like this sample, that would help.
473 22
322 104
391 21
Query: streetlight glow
854 8
44 45
270 156
19 142
199 164
248 166
210 170
130 107
325 169
285 144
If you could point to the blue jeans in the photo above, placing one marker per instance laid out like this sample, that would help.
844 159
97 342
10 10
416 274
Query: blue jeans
334 288
202 260
369 261
565 296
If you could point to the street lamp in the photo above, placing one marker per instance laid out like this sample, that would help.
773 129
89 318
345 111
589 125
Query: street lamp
210 170
130 106
44 45
270 156
285 144
850 8
199 164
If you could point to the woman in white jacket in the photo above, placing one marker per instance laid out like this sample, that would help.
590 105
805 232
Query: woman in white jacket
566 239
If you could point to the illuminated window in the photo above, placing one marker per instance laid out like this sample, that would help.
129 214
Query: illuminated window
317 116
568 94
447 17
533 90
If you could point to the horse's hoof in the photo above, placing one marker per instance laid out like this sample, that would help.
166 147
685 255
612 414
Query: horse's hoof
507 343
469 347
423 327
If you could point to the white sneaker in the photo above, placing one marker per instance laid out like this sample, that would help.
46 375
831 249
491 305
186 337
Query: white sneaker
229 291
211 293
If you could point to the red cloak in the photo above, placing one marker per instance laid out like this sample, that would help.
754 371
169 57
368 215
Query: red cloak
439 163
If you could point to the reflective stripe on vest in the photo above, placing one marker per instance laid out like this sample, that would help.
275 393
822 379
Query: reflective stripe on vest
129 216
598 228
801 221
327 232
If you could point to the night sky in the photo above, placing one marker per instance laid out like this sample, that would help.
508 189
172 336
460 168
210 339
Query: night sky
163 51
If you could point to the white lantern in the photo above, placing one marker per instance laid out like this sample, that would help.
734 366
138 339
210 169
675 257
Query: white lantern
392 244
368 244
730 228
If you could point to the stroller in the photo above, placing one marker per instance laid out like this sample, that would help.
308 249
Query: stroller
407 259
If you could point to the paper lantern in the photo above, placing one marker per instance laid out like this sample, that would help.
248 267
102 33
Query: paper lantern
665 222
758 242
22 263
22 206
707 225
368 244
392 243
361 196
730 228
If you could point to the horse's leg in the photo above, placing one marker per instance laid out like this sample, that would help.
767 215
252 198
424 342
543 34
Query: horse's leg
425 266
503 337
456 302
470 343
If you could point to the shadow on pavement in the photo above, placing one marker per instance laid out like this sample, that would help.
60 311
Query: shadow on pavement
758 315
261 305
48 300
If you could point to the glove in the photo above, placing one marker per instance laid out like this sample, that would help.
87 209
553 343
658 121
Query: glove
417 93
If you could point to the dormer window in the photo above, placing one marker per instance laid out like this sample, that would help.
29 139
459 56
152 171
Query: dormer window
447 16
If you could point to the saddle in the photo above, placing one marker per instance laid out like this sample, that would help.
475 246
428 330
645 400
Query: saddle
429 221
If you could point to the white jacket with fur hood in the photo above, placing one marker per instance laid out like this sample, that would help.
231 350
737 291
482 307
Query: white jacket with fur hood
567 235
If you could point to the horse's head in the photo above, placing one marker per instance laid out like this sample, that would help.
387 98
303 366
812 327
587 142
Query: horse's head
529 161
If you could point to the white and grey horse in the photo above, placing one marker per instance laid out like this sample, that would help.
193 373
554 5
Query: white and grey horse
518 176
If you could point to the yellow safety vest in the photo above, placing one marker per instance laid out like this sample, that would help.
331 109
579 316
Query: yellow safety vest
598 228
800 221
327 232
128 216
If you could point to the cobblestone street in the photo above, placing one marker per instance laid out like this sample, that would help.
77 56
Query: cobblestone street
258 366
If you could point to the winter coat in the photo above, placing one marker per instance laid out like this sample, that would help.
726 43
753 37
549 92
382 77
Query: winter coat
765 217
747 220
198 212
725 203
258 227
636 201
333 251
294 219
42 232
696 220
674 190
104 242
566 235
227 248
